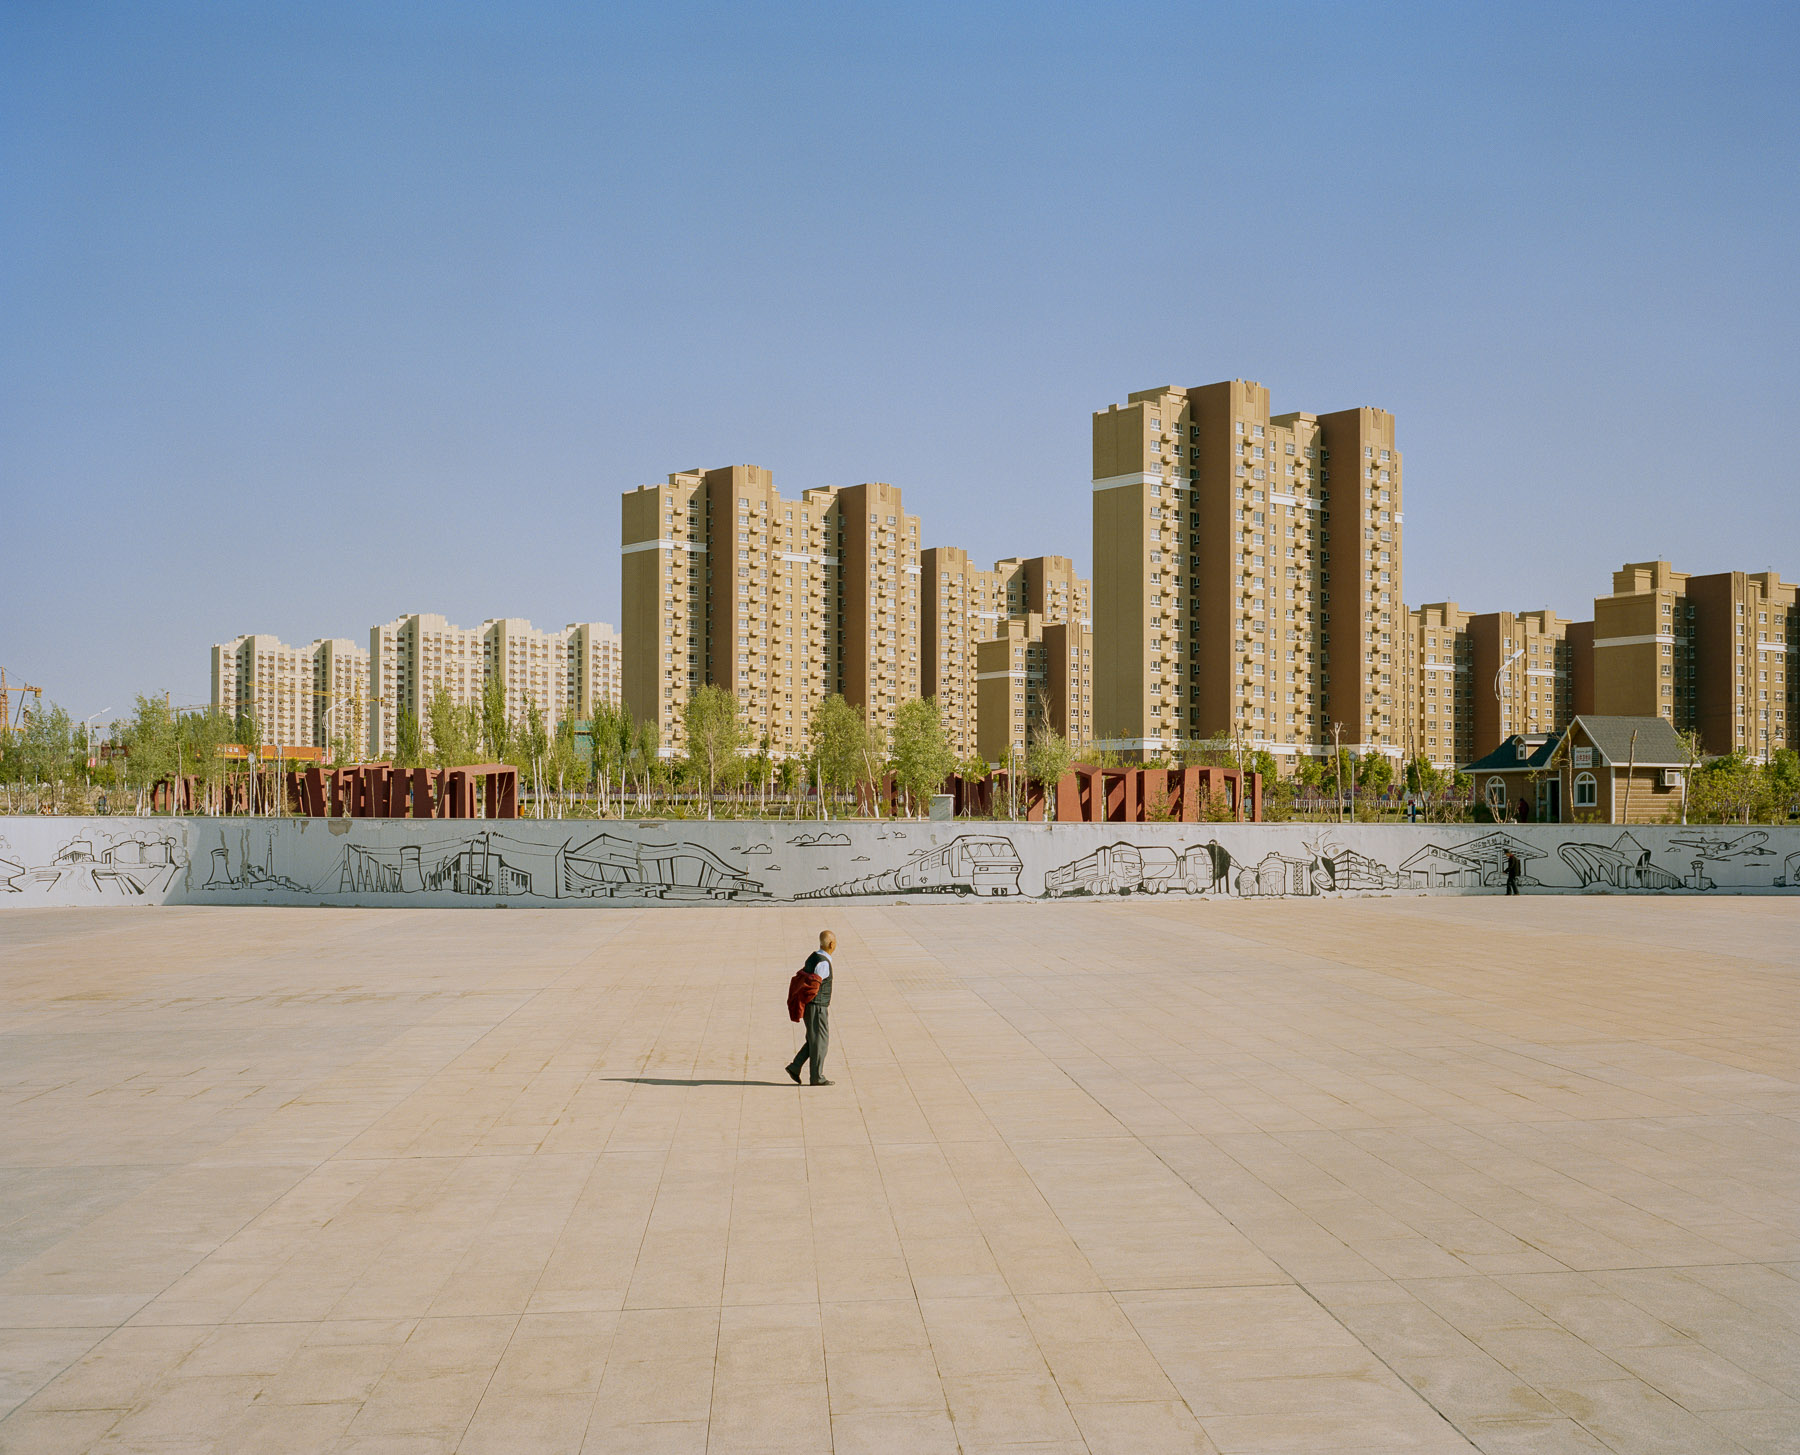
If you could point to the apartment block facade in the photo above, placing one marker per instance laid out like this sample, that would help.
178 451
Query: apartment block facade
1247 574
560 673
781 602
1712 654
1440 685
596 660
307 696
1522 674
963 605
1033 674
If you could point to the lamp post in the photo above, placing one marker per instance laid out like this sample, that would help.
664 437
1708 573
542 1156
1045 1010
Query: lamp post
87 739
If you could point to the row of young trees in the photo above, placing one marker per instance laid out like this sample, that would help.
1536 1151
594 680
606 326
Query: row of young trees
45 765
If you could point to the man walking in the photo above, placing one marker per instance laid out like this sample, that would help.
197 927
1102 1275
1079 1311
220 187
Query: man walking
817 1015
1512 872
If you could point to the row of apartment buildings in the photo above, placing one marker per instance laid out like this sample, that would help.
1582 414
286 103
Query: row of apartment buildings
1248 585
1714 655
334 691
785 602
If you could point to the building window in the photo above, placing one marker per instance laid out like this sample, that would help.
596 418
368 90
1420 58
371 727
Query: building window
1587 792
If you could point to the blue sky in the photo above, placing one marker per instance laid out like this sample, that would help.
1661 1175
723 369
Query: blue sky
314 314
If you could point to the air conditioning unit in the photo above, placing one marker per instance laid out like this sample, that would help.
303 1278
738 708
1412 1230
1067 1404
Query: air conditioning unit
1671 777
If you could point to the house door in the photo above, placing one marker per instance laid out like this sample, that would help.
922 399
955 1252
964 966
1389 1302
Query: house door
1549 800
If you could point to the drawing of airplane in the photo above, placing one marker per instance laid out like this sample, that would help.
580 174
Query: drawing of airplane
1717 846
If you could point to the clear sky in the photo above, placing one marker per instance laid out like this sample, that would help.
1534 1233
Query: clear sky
315 314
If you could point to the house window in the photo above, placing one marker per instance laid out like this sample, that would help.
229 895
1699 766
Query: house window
1587 792
1496 793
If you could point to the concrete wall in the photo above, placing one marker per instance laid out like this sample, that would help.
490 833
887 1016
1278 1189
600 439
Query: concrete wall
595 862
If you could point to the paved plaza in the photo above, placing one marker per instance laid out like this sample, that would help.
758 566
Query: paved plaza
1117 1177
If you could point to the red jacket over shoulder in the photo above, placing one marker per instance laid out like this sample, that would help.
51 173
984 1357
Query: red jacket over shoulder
801 990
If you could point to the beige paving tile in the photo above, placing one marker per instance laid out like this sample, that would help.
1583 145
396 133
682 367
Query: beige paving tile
1384 1175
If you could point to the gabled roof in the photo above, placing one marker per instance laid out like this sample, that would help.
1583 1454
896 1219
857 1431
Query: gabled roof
1658 744
1506 757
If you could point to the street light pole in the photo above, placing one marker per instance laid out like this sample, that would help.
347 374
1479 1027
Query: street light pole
87 735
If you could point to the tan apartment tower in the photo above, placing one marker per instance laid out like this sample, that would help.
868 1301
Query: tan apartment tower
1034 674
963 606
1709 654
1247 574
1521 676
595 664
1439 689
781 602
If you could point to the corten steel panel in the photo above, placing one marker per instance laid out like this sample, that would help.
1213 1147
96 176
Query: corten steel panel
1153 787
421 793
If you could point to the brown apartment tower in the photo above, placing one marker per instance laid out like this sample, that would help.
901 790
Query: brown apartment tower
1715 655
964 606
1247 574
781 602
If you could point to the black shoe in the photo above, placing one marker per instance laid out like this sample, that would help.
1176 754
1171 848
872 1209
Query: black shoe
820 1083
793 1073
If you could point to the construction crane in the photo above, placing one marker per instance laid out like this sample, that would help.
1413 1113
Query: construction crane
6 716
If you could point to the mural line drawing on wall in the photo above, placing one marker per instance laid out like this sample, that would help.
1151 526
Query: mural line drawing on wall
498 865
1625 864
252 872
980 864
110 866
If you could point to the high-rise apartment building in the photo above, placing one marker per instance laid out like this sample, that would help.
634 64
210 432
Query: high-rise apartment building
595 664
341 706
1034 674
963 606
560 673
298 696
1522 669
531 665
1247 574
411 657
1439 690
781 602
1710 654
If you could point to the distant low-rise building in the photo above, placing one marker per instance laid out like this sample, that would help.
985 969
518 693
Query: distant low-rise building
1617 770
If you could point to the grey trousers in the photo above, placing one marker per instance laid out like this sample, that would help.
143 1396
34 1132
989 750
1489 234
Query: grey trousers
817 1020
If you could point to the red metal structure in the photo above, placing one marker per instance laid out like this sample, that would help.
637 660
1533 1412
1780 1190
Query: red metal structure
380 790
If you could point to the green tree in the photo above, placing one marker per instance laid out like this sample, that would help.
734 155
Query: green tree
611 734
1730 789
496 726
409 750
1783 774
41 753
716 738
921 753
1047 758
455 729
839 743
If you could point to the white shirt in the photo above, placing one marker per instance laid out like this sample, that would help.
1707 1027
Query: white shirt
823 968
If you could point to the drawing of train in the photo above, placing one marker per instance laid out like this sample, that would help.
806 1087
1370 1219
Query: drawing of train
970 864
1133 869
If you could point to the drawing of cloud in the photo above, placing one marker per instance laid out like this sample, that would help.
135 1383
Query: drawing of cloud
756 849
822 841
